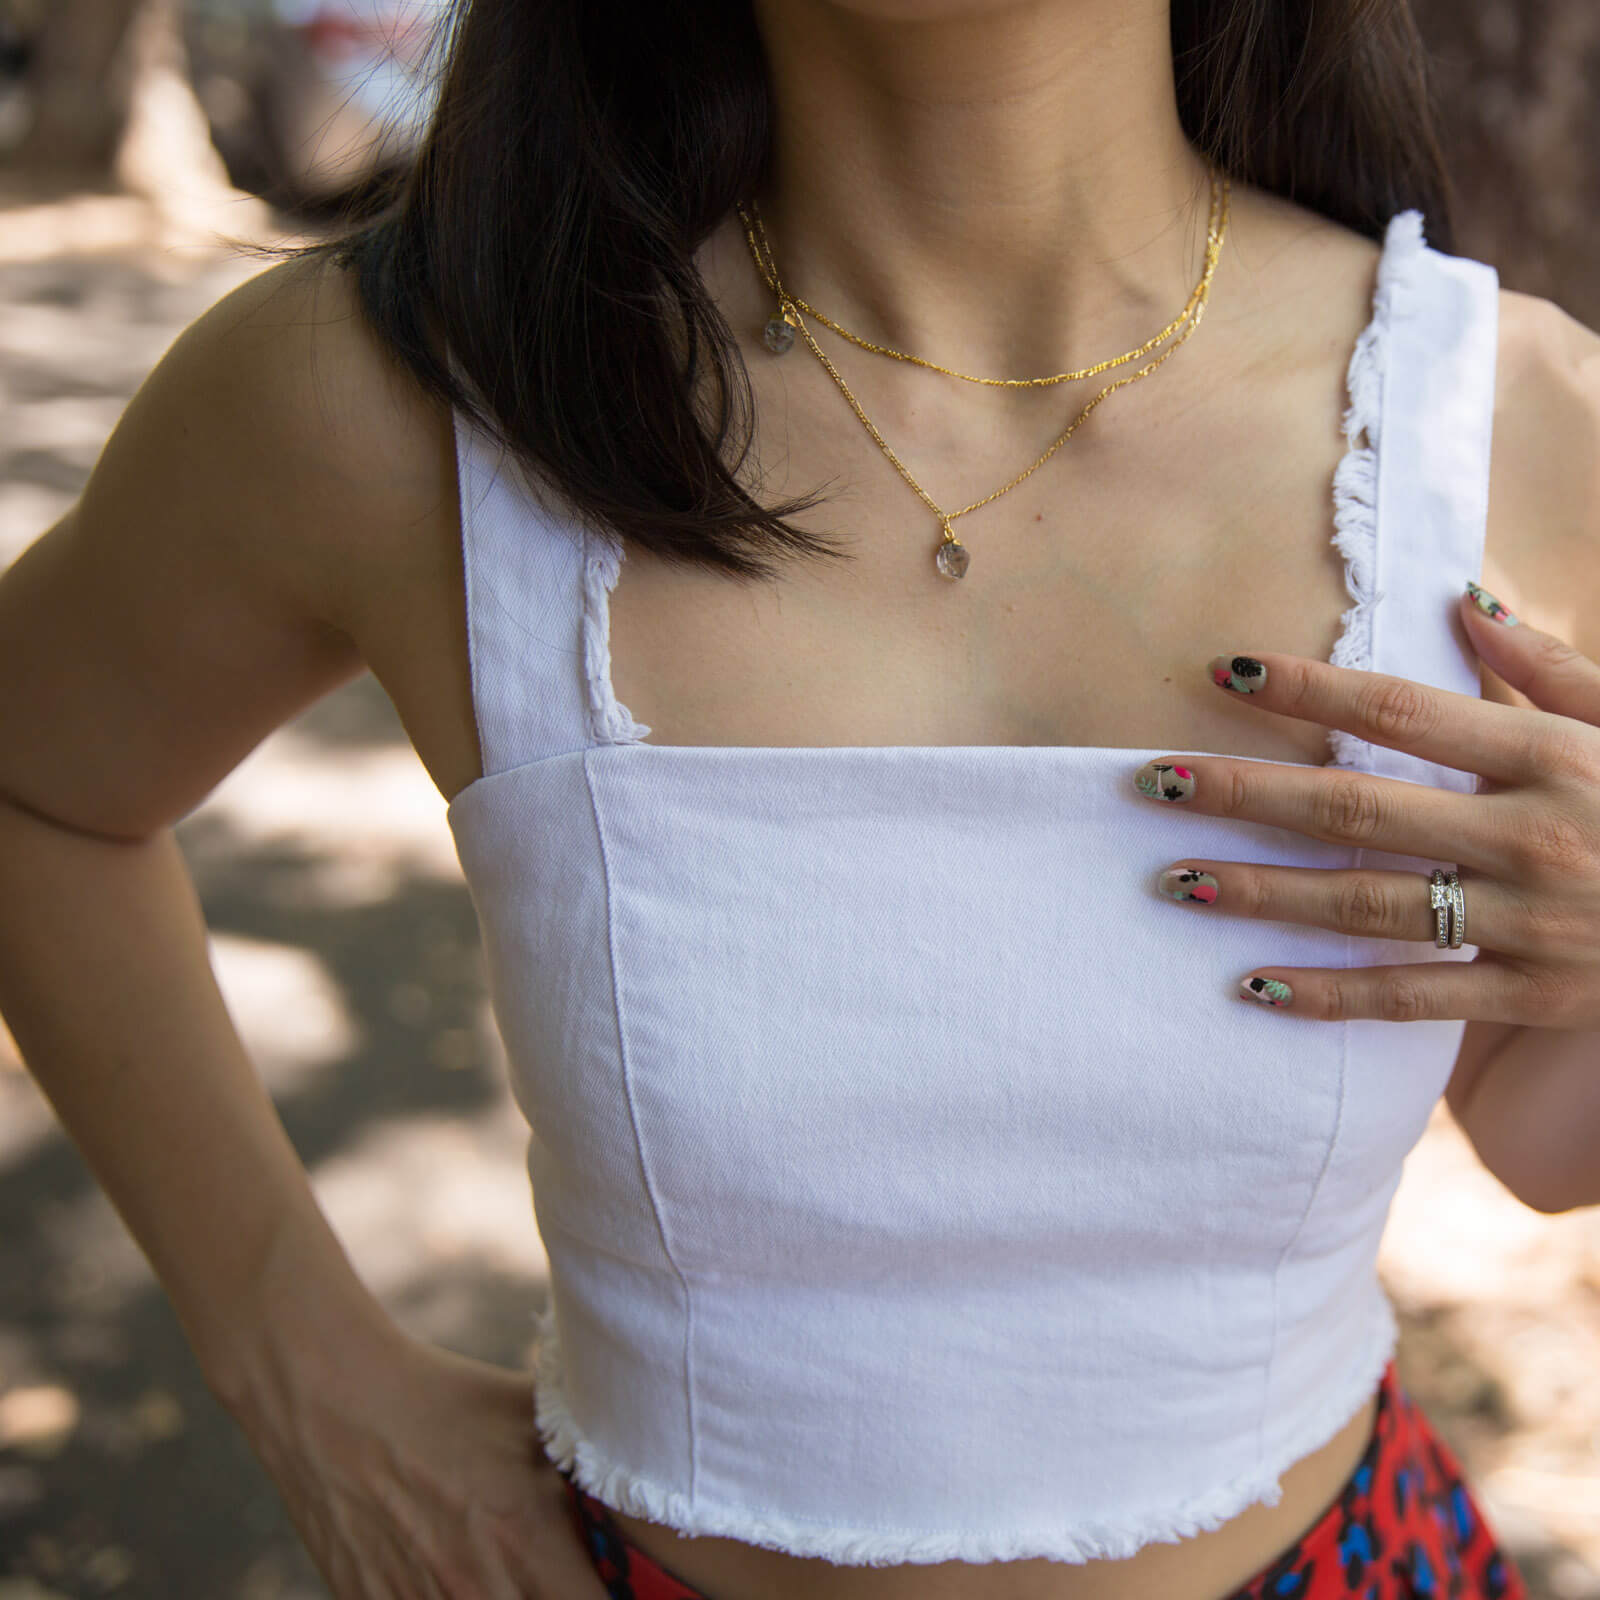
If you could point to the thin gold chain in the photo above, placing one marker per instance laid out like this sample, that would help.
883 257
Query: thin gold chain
947 517
766 264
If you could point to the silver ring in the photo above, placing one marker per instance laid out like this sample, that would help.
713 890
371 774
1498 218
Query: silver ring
1449 906
1458 911
1439 900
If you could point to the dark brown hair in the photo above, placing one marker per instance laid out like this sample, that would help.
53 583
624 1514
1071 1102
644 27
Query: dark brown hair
581 150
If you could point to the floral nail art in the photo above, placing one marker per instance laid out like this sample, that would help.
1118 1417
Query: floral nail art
1269 991
1161 780
1487 604
1241 674
1189 883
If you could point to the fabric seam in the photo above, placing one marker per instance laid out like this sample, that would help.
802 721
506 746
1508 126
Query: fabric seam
1358 501
624 1056
1310 1206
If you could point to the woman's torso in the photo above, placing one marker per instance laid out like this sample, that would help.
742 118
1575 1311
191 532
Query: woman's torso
1191 517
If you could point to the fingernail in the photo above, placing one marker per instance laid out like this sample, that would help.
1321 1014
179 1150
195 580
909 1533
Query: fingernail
1189 883
1161 780
1269 991
1242 674
1488 605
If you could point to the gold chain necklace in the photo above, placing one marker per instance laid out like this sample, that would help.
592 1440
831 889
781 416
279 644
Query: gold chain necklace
952 558
778 334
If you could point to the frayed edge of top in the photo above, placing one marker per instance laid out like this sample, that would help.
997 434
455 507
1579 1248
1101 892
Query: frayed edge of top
1114 1538
610 722
1355 481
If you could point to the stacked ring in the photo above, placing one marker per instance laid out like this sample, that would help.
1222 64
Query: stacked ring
1449 907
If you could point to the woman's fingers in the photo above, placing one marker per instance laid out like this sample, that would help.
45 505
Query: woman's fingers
1482 990
1360 901
1508 744
1377 905
554 1568
1342 806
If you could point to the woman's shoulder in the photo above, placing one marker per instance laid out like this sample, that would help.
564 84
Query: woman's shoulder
1542 553
1544 481
274 510
1550 361
287 375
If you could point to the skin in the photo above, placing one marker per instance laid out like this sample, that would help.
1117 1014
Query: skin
277 511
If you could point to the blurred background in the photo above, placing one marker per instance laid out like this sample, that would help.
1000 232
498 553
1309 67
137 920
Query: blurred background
134 136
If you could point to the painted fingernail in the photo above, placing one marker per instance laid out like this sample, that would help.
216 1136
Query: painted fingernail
1189 883
1269 991
1242 674
1162 780
1488 605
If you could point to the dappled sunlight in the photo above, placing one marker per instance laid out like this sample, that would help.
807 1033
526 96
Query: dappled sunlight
286 1005
77 335
1500 1314
37 1418
373 815
440 1188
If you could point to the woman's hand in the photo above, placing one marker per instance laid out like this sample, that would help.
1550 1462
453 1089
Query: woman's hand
419 1476
1526 845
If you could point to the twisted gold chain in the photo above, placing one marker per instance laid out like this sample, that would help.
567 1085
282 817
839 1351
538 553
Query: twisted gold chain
766 265
952 557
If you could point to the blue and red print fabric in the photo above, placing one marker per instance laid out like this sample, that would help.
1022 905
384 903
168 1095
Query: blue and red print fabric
1404 1525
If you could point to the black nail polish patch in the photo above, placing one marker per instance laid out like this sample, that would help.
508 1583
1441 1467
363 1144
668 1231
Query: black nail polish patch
1240 674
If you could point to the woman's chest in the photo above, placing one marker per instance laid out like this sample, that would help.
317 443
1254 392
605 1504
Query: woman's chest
1095 595
1097 592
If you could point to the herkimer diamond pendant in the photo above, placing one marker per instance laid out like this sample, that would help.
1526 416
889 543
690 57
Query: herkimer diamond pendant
778 334
951 558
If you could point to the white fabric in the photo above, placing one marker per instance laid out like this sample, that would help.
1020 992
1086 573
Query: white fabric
914 1185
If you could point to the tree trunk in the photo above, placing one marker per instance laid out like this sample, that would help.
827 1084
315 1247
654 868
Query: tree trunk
114 103
81 82
1521 131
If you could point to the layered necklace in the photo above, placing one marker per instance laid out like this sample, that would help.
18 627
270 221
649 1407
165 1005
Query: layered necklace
951 557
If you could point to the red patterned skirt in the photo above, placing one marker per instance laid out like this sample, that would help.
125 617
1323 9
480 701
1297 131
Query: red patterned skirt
1404 1525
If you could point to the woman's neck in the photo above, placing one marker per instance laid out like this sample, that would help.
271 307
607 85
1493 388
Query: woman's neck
1006 189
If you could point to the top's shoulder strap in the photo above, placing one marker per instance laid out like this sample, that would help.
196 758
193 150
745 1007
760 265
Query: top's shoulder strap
536 642
1428 413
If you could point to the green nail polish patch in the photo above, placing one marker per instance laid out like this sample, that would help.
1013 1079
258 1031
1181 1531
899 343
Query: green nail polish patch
1269 991
1161 780
1189 883
1488 605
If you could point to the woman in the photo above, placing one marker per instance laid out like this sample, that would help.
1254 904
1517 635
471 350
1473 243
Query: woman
923 1217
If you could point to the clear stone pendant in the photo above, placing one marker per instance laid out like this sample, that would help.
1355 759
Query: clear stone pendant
951 558
778 335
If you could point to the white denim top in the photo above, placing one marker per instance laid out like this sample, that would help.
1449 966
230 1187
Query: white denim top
881 1226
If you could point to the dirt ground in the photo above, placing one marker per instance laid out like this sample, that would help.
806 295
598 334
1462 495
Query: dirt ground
345 943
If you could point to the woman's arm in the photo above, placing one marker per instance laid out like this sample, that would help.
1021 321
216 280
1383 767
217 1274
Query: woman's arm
184 608
274 492
1528 1099
1534 1113
106 984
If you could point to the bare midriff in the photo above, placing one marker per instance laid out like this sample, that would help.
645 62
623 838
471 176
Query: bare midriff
1207 1566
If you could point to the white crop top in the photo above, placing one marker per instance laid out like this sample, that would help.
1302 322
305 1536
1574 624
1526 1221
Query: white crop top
881 1227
